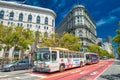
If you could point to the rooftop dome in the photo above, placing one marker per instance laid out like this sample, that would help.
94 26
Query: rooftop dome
79 6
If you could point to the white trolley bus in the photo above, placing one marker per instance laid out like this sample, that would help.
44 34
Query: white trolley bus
57 59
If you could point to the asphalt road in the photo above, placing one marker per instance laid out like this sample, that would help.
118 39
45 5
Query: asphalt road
111 73
89 72
19 75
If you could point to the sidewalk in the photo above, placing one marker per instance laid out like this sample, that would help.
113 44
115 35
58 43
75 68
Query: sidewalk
112 73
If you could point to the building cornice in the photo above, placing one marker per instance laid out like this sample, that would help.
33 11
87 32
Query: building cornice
29 7
75 7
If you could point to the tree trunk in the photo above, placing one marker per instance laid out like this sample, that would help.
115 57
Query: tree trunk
4 53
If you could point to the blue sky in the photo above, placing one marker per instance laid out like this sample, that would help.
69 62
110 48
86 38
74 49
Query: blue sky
105 13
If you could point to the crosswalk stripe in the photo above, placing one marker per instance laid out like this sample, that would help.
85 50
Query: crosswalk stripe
41 76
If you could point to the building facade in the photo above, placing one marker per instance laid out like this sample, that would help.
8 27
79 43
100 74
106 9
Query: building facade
106 45
36 18
79 23
109 39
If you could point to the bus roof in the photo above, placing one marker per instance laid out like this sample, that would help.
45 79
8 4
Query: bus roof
59 48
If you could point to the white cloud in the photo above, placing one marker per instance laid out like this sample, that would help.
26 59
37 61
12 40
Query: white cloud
116 10
109 18
100 22
106 20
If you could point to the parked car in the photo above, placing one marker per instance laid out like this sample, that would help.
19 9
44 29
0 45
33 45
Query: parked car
17 65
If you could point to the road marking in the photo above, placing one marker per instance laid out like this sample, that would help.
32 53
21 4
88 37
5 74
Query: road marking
17 77
93 73
41 76
4 76
81 73
75 71
104 70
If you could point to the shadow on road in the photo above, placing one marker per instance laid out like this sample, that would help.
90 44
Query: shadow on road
111 77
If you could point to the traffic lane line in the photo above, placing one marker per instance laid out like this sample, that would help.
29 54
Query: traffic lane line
92 75
81 74
102 71
58 74
67 73
74 70
99 71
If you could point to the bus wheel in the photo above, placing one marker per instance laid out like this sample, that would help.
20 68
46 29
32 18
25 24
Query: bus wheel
81 64
62 68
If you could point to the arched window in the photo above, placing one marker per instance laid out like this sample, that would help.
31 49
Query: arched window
53 22
1 14
21 17
39 27
46 20
38 19
11 16
30 18
80 33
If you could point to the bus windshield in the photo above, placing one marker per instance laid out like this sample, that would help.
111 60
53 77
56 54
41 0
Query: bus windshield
43 56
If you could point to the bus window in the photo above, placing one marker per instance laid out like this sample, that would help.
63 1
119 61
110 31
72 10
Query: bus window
61 54
43 56
82 55
74 55
70 55
78 55
66 55
46 56
87 57
54 55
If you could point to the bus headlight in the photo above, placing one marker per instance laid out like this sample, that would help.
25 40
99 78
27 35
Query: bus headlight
35 63
47 66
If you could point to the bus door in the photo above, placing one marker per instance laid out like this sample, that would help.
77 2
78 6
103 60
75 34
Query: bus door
54 58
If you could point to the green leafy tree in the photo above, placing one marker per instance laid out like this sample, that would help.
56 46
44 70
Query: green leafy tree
65 41
6 39
17 37
117 39
26 38
70 41
111 56
52 41
93 48
96 49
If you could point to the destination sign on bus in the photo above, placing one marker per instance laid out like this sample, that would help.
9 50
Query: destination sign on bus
43 49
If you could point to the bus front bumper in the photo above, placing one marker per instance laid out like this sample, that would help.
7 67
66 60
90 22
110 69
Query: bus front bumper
41 69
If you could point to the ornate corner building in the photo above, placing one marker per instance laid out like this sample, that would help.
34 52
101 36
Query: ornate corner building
79 23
